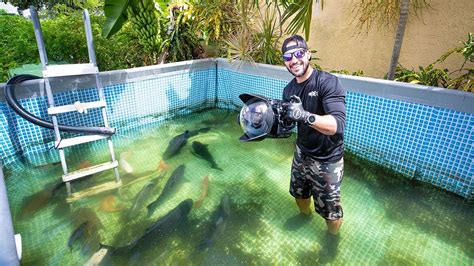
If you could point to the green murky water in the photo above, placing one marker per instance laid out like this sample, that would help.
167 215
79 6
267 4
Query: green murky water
388 219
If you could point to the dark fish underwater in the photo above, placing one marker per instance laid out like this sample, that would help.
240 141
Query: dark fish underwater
202 151
39 200
177 142
86 234
217 224
157 231
170 187
140 199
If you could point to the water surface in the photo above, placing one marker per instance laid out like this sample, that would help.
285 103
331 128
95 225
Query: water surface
387 218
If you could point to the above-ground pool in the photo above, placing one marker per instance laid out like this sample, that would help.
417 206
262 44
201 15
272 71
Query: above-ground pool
407 190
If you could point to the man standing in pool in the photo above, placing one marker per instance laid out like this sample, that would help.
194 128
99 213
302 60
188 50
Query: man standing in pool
317 102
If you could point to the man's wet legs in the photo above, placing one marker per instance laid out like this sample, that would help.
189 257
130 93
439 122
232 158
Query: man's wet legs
303 205
334 226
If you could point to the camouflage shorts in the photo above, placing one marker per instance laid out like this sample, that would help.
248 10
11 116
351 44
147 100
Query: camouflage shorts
322 180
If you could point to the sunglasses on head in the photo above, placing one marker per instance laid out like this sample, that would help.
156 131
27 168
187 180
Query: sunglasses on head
298 54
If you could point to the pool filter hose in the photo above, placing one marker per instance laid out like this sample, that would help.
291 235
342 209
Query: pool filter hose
13 103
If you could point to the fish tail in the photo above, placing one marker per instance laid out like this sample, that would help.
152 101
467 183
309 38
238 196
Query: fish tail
101 246
203 245
149 210
215 166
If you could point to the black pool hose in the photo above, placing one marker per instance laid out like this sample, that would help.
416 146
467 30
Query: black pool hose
13 103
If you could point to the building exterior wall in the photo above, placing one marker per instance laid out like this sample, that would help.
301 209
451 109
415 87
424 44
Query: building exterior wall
439 29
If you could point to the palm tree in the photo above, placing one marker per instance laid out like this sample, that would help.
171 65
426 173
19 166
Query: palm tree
397 46
386 14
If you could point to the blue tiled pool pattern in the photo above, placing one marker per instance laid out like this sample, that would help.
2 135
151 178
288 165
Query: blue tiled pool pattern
423 142
419 141
232 84
129 105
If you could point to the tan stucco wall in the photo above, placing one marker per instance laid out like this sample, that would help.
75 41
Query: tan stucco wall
441 28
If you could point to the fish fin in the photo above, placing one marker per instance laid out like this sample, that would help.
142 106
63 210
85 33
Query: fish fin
196 154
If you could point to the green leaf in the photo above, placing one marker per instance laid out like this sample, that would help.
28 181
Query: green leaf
300 13
163 5
116 15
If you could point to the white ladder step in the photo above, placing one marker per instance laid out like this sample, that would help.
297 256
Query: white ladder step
69 70
78 140
89 171
77 106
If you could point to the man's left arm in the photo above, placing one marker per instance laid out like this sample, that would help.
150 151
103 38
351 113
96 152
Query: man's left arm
334 105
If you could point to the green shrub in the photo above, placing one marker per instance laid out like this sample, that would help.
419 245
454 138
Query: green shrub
65 42
17 45
461 79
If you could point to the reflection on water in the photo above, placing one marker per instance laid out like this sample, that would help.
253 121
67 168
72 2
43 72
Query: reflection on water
240 215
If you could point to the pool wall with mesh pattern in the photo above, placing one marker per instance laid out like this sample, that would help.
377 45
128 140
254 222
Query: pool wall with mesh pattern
421 132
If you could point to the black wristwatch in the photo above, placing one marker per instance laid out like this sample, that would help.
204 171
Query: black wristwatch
311 120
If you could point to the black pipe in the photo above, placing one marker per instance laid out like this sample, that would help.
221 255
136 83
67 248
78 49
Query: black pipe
13 103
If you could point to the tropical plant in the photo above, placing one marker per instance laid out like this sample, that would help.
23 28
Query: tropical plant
397 45
241 46
257 37
461 78
383 14
218 19
163 27
298 14
268 36
145 21
181 42
387 13
347 72
429 76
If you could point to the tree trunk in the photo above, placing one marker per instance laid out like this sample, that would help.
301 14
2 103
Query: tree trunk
397 46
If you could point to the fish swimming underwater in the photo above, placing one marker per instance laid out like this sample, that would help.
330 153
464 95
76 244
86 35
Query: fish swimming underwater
123 162
78 233
177 142
142 197
217 224
205 189
39 200
109 204
87 229
161 228
202 151
171 185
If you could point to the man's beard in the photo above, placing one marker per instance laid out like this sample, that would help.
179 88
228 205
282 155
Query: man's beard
305 69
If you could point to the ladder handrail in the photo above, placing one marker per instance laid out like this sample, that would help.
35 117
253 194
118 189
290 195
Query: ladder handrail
49 72
90 40
39 37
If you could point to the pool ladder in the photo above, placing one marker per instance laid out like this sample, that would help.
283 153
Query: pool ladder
55 71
